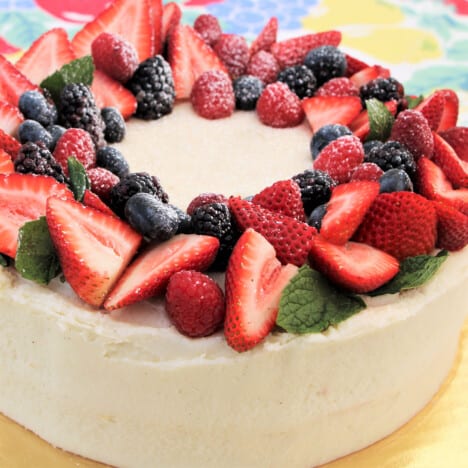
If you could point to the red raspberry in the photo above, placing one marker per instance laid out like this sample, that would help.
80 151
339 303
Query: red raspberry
77 143
233 50
264 66
195 303
279 107
115 56
338 87
209 28
205 199
102 181
212 95
367 171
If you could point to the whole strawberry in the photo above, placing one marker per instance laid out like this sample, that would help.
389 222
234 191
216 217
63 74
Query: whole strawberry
195 303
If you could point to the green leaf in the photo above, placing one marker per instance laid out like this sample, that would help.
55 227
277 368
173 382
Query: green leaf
77 71
414 101
78 178
310 304
36 258
414 272
4 262
380 120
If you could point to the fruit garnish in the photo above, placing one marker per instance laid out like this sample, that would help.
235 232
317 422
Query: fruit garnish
171 17
266 38
6 164
451 108
93 201
77 143
381 120
452 227
354 65
367 171
340 86
254 282
94 248
361 125
368 74
157 21
12 82
457 138
102 181
150 272
9 144
10 118
208 27
432 107
205 199
264 66
233 51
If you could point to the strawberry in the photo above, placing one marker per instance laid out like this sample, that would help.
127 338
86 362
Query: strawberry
149 274
93 248
354 65
131 20
266 38
195 303
403 224
157 19
293 51
365 75
324 110
264 66
452 227
93 201
110 93
432 107
255 280
290 238
23 198
102 181
10 118
171 17
282 197
457 138
367 171
205 199
340 157
12 82
340 86
9 144
208 27
77 143
356 267
451 107
6 164
233 51
279 107
360 126
447 159
457 198
47 54
346 210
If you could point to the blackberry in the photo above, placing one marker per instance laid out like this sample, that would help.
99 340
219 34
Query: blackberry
30 130
326 62
392 155
112 159
215 220
316 187
153 86
35 106
383 89
185 221
114 124
247 90
79 110
300 80
35 158
368 145
325 135
136 182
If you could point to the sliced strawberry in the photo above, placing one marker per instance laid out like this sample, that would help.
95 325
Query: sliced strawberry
157 15
293 51
93 248
324 110
360 126
447 159
171 17
266 38
354 65
128 18
93 201
255 280
180 61
368 74
110 93
451 107
12 82
47 54
9 144
346 210
357 267
457 138
149 274
432 107
290 237
452 227
23 198
457 198
282 197
10 118
6 164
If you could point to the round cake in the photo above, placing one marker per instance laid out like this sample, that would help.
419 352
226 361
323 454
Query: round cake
319 351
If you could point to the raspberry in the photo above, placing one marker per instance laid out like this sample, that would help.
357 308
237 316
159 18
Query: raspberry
205 199
233 50
279 107
77 143
367 171
340 86
114 56
195 303
264 66
212 95
209 28
102 181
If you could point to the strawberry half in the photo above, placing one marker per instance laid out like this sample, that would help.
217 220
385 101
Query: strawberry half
360 126
23 198
365 75
289 237
93 248
149 274
432 107
266 38
452 227
9 144
6 164
47 54
255 280
451 108
346 210
356 267
457 138
93 201
354 65
12 82
10 118
171 17
157 20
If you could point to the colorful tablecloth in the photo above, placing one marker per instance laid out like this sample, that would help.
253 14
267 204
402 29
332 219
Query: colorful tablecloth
425 43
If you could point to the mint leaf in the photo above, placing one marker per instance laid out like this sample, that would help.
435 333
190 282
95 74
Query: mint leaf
4 262
413 101
414 272
78 178
77 71
36 258
310 304
380 120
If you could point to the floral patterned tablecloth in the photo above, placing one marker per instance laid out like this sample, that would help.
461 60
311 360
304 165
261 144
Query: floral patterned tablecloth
425 44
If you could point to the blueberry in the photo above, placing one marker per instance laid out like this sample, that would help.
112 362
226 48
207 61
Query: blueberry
315 218
247 90
185 220
112 159
114 124
369 145
395 180
56 131
30 130
33 105
151 217
326 62
325 135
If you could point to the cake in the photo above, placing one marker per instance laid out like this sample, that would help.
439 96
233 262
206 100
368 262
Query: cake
124 387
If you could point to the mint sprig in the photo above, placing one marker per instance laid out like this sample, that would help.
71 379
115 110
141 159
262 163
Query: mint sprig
4 262
380 120
78 178
310 304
